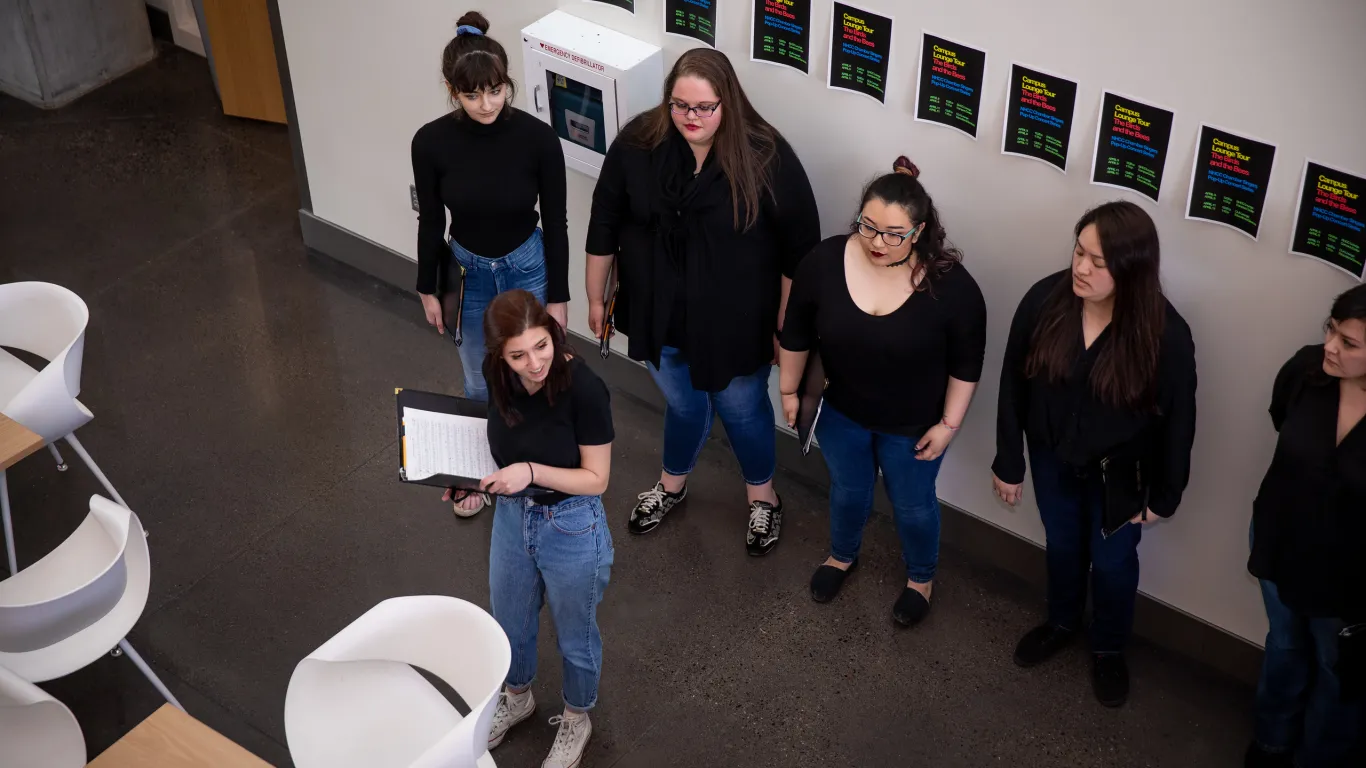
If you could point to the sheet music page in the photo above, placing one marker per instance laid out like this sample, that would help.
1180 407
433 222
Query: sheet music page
445 444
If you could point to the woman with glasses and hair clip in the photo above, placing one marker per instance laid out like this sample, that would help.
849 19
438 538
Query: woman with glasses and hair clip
1309 552
707 211
489 164
901 331
1099 375
549 425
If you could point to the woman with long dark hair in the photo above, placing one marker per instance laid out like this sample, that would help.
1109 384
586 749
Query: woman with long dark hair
1099 370
901 330
707 212
1309 552
549 425
490 164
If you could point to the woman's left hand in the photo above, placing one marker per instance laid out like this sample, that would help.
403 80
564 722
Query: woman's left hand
934 443
1145 517
559 311
510 479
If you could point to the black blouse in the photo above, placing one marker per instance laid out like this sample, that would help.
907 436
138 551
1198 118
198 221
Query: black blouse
1067 418
889 373
551 433
673 233
1309 519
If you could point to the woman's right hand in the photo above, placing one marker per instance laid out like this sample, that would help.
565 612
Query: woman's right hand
1007 492
791 404
431 305
597 315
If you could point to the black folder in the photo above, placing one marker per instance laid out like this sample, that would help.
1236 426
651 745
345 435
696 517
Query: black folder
1126 491
609 318
459 406
810 398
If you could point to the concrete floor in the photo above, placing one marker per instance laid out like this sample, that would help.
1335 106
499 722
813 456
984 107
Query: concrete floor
243 401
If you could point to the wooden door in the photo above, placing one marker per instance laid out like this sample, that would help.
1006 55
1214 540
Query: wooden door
243 53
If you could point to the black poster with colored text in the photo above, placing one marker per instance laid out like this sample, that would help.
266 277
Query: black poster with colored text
781 33
691 18
1131 145
1039 110
860 46
1329 225
1228 180
950 85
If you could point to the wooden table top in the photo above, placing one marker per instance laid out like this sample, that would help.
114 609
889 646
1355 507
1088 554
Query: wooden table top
16 442
172 739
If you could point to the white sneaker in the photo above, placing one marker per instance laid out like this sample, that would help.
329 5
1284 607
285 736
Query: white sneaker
570 741
513 708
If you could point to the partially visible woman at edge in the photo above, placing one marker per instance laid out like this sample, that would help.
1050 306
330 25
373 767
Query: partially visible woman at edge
1309 552
707 211
550 425
1098 365
489 164
900 326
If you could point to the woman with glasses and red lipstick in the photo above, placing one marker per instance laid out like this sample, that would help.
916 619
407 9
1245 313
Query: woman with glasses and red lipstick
901 327
707 211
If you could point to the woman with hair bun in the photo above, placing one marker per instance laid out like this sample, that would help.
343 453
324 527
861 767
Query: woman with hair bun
901 330
490 165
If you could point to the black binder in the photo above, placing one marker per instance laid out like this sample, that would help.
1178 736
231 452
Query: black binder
810 398
459 406
1126 491
453 300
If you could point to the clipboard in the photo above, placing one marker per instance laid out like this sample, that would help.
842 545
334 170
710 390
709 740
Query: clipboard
811 399
458 406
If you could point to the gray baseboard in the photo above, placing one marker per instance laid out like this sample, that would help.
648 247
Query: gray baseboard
1154 621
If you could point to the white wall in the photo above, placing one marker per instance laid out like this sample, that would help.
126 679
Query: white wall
366 75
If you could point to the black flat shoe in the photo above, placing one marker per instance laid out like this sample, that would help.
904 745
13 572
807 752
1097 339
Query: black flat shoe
1257 757
827 580
1110 678
1041 643
911 608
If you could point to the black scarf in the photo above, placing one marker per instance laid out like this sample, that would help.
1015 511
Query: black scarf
677 235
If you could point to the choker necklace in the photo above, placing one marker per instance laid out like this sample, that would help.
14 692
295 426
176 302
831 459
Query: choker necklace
899 263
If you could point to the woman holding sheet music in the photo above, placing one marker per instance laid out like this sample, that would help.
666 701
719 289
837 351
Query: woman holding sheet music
707 211
1099 375
549 425
901 329
489 164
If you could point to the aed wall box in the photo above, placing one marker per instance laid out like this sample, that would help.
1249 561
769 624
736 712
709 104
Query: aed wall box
586 81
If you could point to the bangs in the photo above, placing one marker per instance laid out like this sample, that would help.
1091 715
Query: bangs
479 70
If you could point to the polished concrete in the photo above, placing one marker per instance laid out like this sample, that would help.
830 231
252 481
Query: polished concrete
243 400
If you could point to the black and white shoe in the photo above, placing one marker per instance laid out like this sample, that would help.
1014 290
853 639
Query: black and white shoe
654 504
765 523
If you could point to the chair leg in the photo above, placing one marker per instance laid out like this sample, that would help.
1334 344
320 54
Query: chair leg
89 462
9 528
56 454
149 674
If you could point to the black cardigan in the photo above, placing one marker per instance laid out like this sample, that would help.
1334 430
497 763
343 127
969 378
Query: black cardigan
731 277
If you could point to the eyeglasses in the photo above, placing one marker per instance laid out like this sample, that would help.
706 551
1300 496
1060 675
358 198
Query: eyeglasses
701 110
892 239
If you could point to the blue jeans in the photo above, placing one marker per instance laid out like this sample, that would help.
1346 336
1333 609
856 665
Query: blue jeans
744 408
1071 507
1299 704
561 554
853 455
484 279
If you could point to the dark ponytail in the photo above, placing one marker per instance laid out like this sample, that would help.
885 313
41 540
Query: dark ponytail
474 61
934 254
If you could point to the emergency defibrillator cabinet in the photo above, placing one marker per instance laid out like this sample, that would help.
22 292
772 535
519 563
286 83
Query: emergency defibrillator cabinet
587 81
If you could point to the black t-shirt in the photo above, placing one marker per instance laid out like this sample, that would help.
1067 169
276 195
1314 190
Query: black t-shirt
1309 518
888 373
551 434
490 177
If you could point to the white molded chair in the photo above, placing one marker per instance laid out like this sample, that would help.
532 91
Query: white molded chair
356 701
49 321
74 605
37 731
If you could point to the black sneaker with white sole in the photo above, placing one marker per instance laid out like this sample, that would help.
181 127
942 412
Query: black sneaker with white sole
765 523
654 504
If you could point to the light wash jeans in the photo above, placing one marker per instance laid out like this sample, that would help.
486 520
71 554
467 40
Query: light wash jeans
484 279
563 554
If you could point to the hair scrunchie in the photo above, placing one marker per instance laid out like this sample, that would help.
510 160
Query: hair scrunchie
466 29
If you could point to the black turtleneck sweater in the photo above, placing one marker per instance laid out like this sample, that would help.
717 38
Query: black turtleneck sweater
490 177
